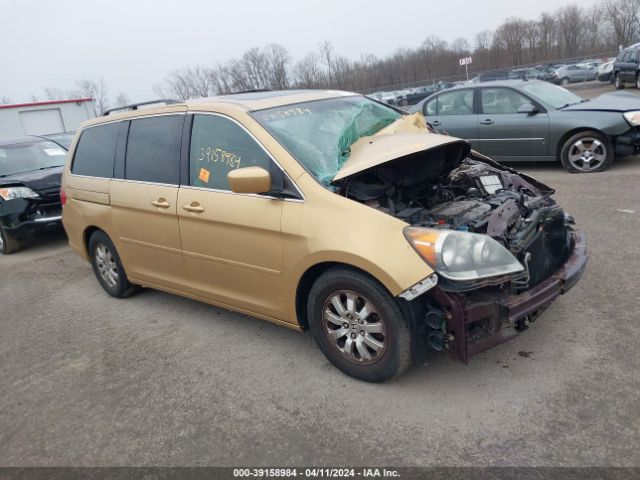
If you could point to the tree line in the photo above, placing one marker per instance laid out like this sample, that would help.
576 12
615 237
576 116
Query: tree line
571 31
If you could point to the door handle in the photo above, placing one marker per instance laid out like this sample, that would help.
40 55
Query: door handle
160 203
436 123
195 207
486 121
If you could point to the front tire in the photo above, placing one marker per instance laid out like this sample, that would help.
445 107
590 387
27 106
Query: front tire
8 243
359 326
586 152
108 267
617 81
564 81
638 80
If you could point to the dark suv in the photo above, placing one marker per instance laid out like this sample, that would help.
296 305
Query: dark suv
626 68
30 171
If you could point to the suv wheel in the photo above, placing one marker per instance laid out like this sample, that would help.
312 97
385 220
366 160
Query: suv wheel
586 152
8 243
619 84
359 326
638 80
108 267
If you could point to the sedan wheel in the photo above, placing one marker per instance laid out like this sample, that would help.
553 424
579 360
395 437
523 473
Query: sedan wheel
588 154
354 327
8 243
564 81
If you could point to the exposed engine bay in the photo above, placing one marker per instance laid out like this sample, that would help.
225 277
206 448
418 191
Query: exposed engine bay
453 188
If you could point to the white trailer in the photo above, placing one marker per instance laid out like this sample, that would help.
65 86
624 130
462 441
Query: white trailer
42 118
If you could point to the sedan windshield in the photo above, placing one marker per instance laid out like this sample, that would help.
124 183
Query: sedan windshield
63 139
320 133
29 156
552 95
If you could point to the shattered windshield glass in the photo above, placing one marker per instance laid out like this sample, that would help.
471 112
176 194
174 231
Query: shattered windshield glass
320 133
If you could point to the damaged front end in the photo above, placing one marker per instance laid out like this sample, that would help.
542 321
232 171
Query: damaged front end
501 247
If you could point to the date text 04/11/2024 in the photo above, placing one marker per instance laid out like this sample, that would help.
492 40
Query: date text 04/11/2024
315 472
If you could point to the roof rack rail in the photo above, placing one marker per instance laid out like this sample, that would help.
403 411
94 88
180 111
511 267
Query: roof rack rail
134 106
255 90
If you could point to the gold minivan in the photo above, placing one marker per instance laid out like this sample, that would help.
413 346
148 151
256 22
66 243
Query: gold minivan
320 210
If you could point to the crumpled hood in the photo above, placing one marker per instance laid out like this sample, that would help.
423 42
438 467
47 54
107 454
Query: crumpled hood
609 102
37 180
404 137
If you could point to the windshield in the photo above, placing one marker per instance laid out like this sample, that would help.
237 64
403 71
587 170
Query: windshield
26 157
552 95
320 133
63 139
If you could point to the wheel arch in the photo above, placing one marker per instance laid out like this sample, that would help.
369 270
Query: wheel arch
570 133
310 276
86 235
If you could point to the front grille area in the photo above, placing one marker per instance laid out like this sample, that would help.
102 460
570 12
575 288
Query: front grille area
49 195
549 249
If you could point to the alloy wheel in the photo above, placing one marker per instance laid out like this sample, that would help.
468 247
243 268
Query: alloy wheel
107 266
587 154
1 242
354 327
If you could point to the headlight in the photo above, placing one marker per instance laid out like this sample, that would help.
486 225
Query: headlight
462 255
632 117
17 192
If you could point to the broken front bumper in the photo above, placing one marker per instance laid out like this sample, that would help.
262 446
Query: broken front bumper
26 217
479 321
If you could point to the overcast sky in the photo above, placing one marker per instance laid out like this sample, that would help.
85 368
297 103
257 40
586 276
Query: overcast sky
133 44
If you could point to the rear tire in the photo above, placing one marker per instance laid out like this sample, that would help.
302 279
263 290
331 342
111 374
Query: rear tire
586 152
617 81
375 345
8 243
108 267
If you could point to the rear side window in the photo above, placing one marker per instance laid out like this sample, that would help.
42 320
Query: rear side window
96 151
153 149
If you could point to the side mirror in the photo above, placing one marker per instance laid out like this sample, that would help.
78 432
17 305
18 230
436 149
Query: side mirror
527 108
249 180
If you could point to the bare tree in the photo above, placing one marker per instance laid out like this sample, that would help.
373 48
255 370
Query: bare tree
190 82
307 72
570 21
512 34
96 89
55 94
623 18
482 46
547 31
121 100
327 57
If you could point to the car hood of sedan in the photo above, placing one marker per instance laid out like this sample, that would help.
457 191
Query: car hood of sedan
609 102
36 180
405 137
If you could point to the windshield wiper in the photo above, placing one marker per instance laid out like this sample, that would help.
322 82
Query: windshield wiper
574 103
50 166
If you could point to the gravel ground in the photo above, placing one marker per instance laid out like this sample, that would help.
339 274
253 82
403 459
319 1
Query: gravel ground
160 380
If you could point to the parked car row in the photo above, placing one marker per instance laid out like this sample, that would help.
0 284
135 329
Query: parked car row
409 96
